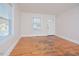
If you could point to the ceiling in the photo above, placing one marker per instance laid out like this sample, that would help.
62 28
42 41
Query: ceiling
46 8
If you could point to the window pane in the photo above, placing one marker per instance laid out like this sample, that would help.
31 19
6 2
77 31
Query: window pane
4 27
4 10
36 24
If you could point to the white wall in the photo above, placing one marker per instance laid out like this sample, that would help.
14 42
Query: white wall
26 24
9 42
67 25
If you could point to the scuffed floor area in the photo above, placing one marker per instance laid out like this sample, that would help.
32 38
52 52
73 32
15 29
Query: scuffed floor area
45 46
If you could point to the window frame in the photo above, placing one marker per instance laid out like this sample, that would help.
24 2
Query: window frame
9 19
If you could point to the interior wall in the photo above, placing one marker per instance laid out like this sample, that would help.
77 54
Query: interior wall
26 24
67 25
9 42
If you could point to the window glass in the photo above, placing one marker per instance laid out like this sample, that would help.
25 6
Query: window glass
5 17
36 23
4 30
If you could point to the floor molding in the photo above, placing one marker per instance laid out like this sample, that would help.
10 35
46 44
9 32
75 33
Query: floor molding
7 53
32 35
67 39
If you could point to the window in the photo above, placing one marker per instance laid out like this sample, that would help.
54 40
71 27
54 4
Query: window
36 24
5 17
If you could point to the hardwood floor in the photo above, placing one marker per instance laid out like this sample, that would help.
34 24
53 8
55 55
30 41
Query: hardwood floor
45 46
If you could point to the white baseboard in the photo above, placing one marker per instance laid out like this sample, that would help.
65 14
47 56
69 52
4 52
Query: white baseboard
7 53
32 35
72 40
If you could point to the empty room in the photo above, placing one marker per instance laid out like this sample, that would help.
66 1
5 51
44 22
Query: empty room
39 29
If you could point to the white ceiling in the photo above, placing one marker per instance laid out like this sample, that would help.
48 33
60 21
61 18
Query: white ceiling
47 8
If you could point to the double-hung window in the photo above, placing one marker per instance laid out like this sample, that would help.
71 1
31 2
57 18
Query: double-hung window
36 24
5 18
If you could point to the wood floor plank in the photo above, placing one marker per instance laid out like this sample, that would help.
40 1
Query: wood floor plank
45 46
